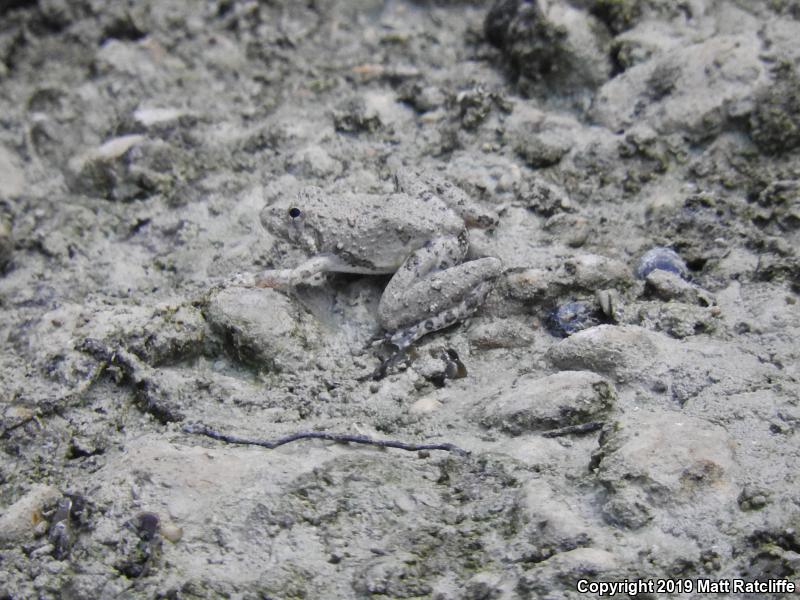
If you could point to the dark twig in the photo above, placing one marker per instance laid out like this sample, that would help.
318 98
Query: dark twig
150 393
574 429
200 429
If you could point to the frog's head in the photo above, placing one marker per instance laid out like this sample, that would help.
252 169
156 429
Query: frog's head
291 219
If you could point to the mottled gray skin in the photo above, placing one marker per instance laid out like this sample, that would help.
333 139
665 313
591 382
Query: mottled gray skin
413 233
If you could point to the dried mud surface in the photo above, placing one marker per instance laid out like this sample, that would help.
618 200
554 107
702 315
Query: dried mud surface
619 424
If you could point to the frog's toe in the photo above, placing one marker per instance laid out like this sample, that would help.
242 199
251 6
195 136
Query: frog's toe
241 280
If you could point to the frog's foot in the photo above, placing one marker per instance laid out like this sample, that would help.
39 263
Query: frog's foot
276 278
419 183
240 280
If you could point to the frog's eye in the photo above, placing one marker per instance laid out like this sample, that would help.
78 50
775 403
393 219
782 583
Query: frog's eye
295 213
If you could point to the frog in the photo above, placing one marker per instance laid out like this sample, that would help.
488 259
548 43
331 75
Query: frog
418 234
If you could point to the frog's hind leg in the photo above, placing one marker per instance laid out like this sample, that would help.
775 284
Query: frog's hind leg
434 289
455 314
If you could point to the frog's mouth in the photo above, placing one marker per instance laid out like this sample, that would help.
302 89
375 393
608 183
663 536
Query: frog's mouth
302 236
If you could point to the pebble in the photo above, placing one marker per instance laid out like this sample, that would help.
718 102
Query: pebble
159 118
573 317
668 285
572 229
664 259
425 405
6 244
543 149
593 271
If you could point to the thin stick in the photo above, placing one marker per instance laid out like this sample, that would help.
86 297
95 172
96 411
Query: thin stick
199 429
574 429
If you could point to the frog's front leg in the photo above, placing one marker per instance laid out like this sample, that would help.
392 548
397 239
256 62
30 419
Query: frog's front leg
281 278
434 289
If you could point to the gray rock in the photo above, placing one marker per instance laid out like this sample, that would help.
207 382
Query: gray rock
665 461
661 92
558 400
775 122
261 327
623 352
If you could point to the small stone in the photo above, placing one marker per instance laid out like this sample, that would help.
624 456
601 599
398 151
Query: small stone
170 531
542 149
157 117
572 229
548 41
558 400
752 498
664 259
422 98
609 302
668 285
573 317
593 271
6 244
424 406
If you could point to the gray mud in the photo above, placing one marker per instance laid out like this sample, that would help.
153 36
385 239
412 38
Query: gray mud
647 430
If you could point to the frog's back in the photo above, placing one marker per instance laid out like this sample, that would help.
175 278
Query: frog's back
380 231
